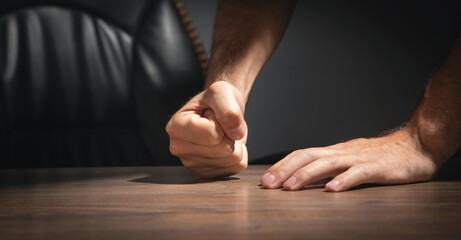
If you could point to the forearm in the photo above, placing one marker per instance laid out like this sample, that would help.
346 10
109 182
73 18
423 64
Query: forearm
245 36
437 120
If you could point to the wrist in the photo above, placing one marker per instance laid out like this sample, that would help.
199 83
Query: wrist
430 139
239 70
237 80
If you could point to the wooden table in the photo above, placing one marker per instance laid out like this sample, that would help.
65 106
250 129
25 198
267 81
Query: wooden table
170 203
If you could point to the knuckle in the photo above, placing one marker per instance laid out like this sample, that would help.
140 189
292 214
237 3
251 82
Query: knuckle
241 166
177 149
221 151
173 148
173 127
212 139
280 171
169 128
227 149
205 136
331 161
305 153
236 157
299 153
363 170
238 167
303 174
213 89
192 165
216 87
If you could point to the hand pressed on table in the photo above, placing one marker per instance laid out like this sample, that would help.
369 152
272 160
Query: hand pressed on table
393 159
414 153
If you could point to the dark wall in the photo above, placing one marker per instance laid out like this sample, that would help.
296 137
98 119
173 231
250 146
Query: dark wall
345 69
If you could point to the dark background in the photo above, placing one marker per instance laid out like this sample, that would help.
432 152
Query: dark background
344 69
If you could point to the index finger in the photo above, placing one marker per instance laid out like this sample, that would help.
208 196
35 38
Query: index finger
195 128
228 107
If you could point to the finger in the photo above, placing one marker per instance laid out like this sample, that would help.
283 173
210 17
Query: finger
224 171
227 106
196 162
356 175
320 169
184 148
282 170
192 127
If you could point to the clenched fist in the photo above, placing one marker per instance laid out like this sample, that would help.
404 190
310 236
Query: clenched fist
209 132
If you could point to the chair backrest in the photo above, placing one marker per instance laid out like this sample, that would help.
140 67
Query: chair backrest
93 82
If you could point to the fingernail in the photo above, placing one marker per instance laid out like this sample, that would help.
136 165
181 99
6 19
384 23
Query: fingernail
333 185
290 183
267 180
237 133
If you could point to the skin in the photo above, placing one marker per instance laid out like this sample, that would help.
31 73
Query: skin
209 133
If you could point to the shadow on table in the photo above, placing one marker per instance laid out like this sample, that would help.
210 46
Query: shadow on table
181 179
159 175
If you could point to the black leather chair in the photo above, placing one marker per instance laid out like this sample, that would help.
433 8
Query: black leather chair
93 82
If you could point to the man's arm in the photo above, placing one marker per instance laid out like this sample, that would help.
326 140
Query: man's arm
437 121
245 36
414 153
209 133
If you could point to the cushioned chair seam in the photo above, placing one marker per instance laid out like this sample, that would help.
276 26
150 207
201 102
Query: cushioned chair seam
135 39
77 10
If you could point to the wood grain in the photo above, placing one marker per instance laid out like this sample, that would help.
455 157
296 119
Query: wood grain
170 203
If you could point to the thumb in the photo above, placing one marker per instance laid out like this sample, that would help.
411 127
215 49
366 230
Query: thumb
227 104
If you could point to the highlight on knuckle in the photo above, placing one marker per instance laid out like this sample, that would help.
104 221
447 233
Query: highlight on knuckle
213 89
192 165
303 174
305 153
363 170
241 166
173 127
212 139
227 149
331 161
169 128
216 88
221 151
176 148
280 171
236 157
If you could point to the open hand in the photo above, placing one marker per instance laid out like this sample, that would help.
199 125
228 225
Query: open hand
393 159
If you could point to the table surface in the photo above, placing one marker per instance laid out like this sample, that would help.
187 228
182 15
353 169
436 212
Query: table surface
170 203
